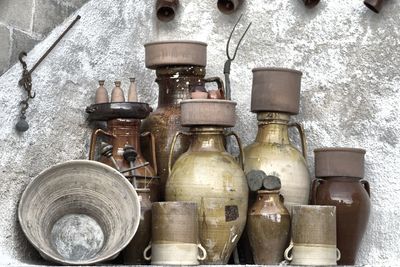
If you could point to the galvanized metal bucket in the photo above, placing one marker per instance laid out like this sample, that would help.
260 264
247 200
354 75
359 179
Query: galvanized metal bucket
79 212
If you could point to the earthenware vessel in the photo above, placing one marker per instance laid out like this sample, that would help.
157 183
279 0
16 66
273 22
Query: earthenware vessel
117 95
133 253
211 177
276 96
79 212
268 226
132 92
101 93
166 9
175 236
229 6
179 65
313 236
340 183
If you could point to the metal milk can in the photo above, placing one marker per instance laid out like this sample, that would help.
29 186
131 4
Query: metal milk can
276 96
208 175
180 66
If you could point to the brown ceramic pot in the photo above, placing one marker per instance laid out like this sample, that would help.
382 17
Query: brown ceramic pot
268 226
166 9
133 253
339 183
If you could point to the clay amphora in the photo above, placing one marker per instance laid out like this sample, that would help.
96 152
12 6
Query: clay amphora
339 183
275 96
175 236
313 236
211 177
179 66
133 253
268 227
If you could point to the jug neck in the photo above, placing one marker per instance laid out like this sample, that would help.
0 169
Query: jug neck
268 196
207 139
174 83
273 127
126 132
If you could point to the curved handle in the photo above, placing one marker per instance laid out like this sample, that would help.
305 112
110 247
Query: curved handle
219 83
145 252
153 150
287 251
300 129
314 187
93 140
203 251
240 147
171 151
338 254
366 186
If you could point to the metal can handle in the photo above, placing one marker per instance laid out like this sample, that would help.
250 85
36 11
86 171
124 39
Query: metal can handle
203 252
300 129
287 251
338 254
153 150
366 186
219 83
145 252
241 156
314 187
171 151
93 140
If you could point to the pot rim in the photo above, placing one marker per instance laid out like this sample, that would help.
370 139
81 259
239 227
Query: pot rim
340 149
276 69
59 259
175 42
209 101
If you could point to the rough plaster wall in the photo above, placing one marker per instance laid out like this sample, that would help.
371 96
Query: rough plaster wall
350 91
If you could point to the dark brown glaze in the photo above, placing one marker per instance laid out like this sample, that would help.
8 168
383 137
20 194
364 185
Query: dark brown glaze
268 227
175 84
350 195
133 253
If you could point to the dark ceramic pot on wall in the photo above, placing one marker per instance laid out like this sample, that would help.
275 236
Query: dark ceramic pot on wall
339 182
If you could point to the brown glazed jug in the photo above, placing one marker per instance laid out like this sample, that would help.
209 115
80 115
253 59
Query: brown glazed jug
268 226
340 183
133 253
179 65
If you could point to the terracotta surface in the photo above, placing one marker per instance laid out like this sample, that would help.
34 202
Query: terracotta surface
268 228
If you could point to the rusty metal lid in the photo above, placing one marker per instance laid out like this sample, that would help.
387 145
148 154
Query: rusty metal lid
166 53
126 110
276 90
208 112
339 161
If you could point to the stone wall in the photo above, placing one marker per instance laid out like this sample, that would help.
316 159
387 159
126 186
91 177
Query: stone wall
350 95
24 23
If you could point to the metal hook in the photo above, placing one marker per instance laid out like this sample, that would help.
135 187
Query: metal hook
227 66
20 58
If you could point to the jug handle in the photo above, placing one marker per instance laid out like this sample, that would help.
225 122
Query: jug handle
300 129
240 147
338 254
171 151
203 252
366 186
153 150
314 187
287 251
93 140
219 83
145 252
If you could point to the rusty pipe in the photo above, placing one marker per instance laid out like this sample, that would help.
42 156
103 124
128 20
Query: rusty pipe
374 5
166 9
229 6
310 3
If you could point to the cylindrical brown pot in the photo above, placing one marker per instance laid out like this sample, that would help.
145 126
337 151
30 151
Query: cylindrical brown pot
339 183
313 236
268 226
133 253
229 6
374 5
175 236
166 9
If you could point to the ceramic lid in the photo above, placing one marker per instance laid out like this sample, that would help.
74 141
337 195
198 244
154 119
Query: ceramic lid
339 161
276 90
175 53
208 112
